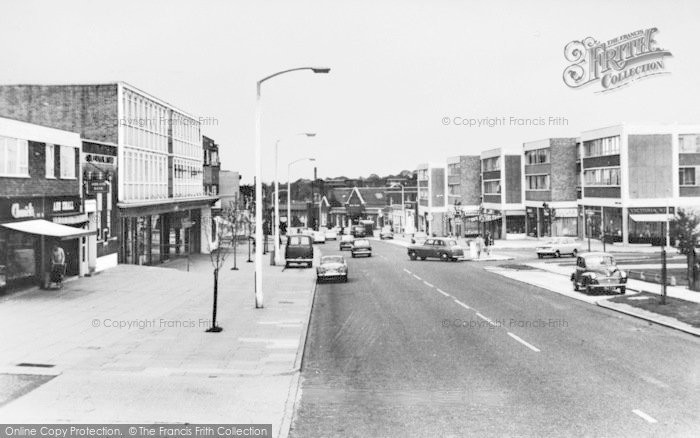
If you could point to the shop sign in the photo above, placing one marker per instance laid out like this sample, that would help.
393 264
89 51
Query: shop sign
95 158
566 212
63 206
97 186
18 211
651 210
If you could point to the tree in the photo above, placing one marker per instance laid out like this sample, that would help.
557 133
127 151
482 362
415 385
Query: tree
219 243
686 229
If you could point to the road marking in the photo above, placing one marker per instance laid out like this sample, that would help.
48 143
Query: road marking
427 284
462 304
417 277
407 271
530 346
649 418
443 292
485 318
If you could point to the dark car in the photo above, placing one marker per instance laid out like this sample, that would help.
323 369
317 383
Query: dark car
358 231
332 268
361 247
436 247
299 250
596 271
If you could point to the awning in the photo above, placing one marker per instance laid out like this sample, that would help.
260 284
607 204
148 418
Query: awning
72 219
42 227
658 217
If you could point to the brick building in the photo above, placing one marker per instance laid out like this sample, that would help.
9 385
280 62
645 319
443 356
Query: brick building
502 193
463 195
159 154
550 179
40 202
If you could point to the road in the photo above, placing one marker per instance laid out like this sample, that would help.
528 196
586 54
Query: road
429 348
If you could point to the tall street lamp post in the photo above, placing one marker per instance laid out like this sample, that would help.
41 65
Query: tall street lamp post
258 181
289 189
278 256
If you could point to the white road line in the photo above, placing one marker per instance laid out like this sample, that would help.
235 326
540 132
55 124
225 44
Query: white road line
648 418
427 284
530 346
485 318
407 271
443 292
417 277
462 304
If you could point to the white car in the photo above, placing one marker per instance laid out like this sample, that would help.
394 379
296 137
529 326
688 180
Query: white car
331 234
558 246
319 237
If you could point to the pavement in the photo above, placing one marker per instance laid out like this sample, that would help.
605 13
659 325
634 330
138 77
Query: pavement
129 345
480 354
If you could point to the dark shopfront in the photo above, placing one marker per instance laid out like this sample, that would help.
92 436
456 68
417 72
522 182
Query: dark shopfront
30 228
156 233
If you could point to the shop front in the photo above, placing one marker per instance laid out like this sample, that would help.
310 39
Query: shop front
648 224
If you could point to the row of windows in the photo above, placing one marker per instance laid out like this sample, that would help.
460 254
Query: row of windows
602 177
537 182
537 156
145 176
689 143
490 164
453 169
601 146
686 176
14 157
188 178
492 187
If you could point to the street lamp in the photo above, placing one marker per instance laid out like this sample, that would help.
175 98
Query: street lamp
258 181
289 189
278 256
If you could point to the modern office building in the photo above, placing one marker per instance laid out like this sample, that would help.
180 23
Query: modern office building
40 202
432 198
463 195
550 180
161 204
212 166
632 175
502 193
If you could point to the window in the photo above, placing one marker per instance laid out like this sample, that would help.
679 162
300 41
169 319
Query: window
602 146
453 169
492 187
538 182
491 164
602 177
67 162
537 156
50 161
14 157
689 143
686 176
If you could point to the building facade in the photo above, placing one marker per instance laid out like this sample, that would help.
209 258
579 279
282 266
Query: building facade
502 193
463 195
212 166
633 175
162 208
432 198
550 180
40 202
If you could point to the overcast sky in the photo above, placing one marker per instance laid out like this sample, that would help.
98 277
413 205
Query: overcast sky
398 68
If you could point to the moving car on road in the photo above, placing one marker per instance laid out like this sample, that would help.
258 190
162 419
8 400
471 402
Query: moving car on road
558 246
596 271
358 231
361 247
331 234
299 250
332 268
346 242
319 237
386 233
437 247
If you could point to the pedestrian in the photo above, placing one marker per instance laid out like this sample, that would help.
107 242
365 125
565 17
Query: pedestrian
487 243
58 256
58 265
479 241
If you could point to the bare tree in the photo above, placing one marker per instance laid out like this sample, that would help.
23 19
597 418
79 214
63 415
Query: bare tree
219 241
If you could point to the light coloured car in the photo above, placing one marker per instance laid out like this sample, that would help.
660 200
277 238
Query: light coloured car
361 247
332 268
319 237
346 242
331 234
558 246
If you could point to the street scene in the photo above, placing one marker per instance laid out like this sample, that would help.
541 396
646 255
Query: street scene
366 219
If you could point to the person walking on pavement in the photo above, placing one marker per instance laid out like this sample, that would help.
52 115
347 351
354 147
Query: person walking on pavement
58 265
479 245
487 243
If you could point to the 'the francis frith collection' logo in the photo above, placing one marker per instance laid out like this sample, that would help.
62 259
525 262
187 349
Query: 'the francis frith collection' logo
616 62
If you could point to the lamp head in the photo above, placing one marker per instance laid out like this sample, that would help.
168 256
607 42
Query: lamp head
321 70
310 134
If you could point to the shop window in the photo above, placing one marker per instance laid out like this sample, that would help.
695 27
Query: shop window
14 157
67 163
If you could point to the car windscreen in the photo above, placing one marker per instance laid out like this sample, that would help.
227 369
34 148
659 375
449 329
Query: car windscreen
331 259
362 242
299 240
451 243
594 261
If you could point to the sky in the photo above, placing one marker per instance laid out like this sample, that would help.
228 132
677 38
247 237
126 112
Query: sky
397 69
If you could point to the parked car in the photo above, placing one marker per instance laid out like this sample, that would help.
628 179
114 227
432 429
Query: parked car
436 247
358 231
299 250
361 247
558 246
332 268
596 271
331 234
319 237
346 242
419 238
386 233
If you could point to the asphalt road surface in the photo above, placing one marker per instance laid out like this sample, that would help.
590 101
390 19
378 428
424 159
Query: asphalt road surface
430 348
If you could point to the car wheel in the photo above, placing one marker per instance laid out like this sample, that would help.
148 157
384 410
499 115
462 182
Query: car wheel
623 289
589 289
444 257
557 254
574 253
311 264
423 258
345 280
575 285
412 255
353 256
539 256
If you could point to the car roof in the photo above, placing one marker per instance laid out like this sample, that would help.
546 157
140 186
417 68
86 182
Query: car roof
595 254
